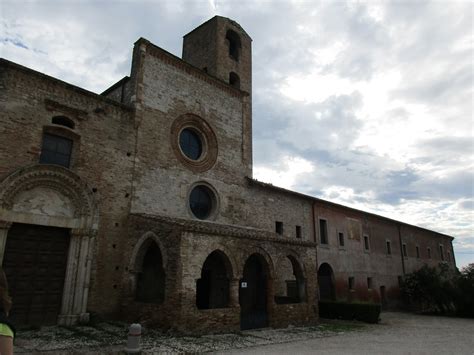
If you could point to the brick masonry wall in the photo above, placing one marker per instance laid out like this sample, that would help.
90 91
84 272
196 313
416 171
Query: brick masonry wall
352 260
102 157
185 252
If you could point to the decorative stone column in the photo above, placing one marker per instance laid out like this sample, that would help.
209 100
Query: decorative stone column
4 228
302 290
76 283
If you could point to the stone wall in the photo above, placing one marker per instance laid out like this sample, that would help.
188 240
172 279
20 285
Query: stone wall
103 146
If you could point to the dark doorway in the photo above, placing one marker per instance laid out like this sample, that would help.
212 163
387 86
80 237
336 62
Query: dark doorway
35 265
212 289
151 280
326 282
253 294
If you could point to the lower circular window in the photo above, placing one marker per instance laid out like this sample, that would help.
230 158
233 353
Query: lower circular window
202 201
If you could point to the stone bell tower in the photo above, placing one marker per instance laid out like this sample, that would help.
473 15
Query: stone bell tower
223 49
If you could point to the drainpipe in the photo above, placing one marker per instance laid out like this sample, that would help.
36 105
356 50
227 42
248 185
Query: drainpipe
401 247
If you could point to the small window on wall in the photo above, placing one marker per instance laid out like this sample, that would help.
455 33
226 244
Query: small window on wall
351 283
369 283
428 250
298 232
63 121
341 239
389 247
400 280
323 231
366 243
279 227
404 250
441 252
448 256
234 80
56 150
417 252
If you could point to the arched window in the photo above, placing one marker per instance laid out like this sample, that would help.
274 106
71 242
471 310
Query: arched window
63 121
291 287
326 282
212 289
233 41
151 279
234 80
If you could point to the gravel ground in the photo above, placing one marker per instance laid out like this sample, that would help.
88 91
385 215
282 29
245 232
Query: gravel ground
398 333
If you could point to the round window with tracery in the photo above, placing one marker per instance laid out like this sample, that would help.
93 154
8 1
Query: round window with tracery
190 143
194 142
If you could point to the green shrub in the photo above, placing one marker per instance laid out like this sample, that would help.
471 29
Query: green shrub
365 312
465 290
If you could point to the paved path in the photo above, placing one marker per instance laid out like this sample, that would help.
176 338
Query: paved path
398 333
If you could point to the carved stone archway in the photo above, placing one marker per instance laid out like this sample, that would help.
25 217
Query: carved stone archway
50 195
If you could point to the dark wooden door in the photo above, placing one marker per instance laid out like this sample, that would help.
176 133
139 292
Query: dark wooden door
35 265
253 295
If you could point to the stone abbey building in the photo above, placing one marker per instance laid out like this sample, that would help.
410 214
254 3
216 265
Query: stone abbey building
139 203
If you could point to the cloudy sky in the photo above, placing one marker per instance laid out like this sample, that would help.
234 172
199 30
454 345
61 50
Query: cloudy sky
365 104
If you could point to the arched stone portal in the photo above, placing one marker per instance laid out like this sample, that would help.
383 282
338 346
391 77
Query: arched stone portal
326 282
253 293
212 289
44 205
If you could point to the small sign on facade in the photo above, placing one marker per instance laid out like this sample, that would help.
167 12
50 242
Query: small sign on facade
244 285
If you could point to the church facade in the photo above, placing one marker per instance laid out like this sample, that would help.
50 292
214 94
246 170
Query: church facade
139 203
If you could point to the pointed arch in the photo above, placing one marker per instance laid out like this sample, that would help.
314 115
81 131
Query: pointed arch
147 268
138 253
212 289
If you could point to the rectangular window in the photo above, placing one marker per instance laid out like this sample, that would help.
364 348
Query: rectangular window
389 247
369 283
341 239
323 231
366 242
449 256
279 227
400 280
429 252
298 232
56 150
404 250
417 252
351 283
441 252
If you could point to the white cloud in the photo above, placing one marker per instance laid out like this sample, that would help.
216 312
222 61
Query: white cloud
367 104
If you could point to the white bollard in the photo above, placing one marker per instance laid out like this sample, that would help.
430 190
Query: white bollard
133 340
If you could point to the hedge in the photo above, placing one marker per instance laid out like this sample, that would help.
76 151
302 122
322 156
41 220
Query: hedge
365 312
